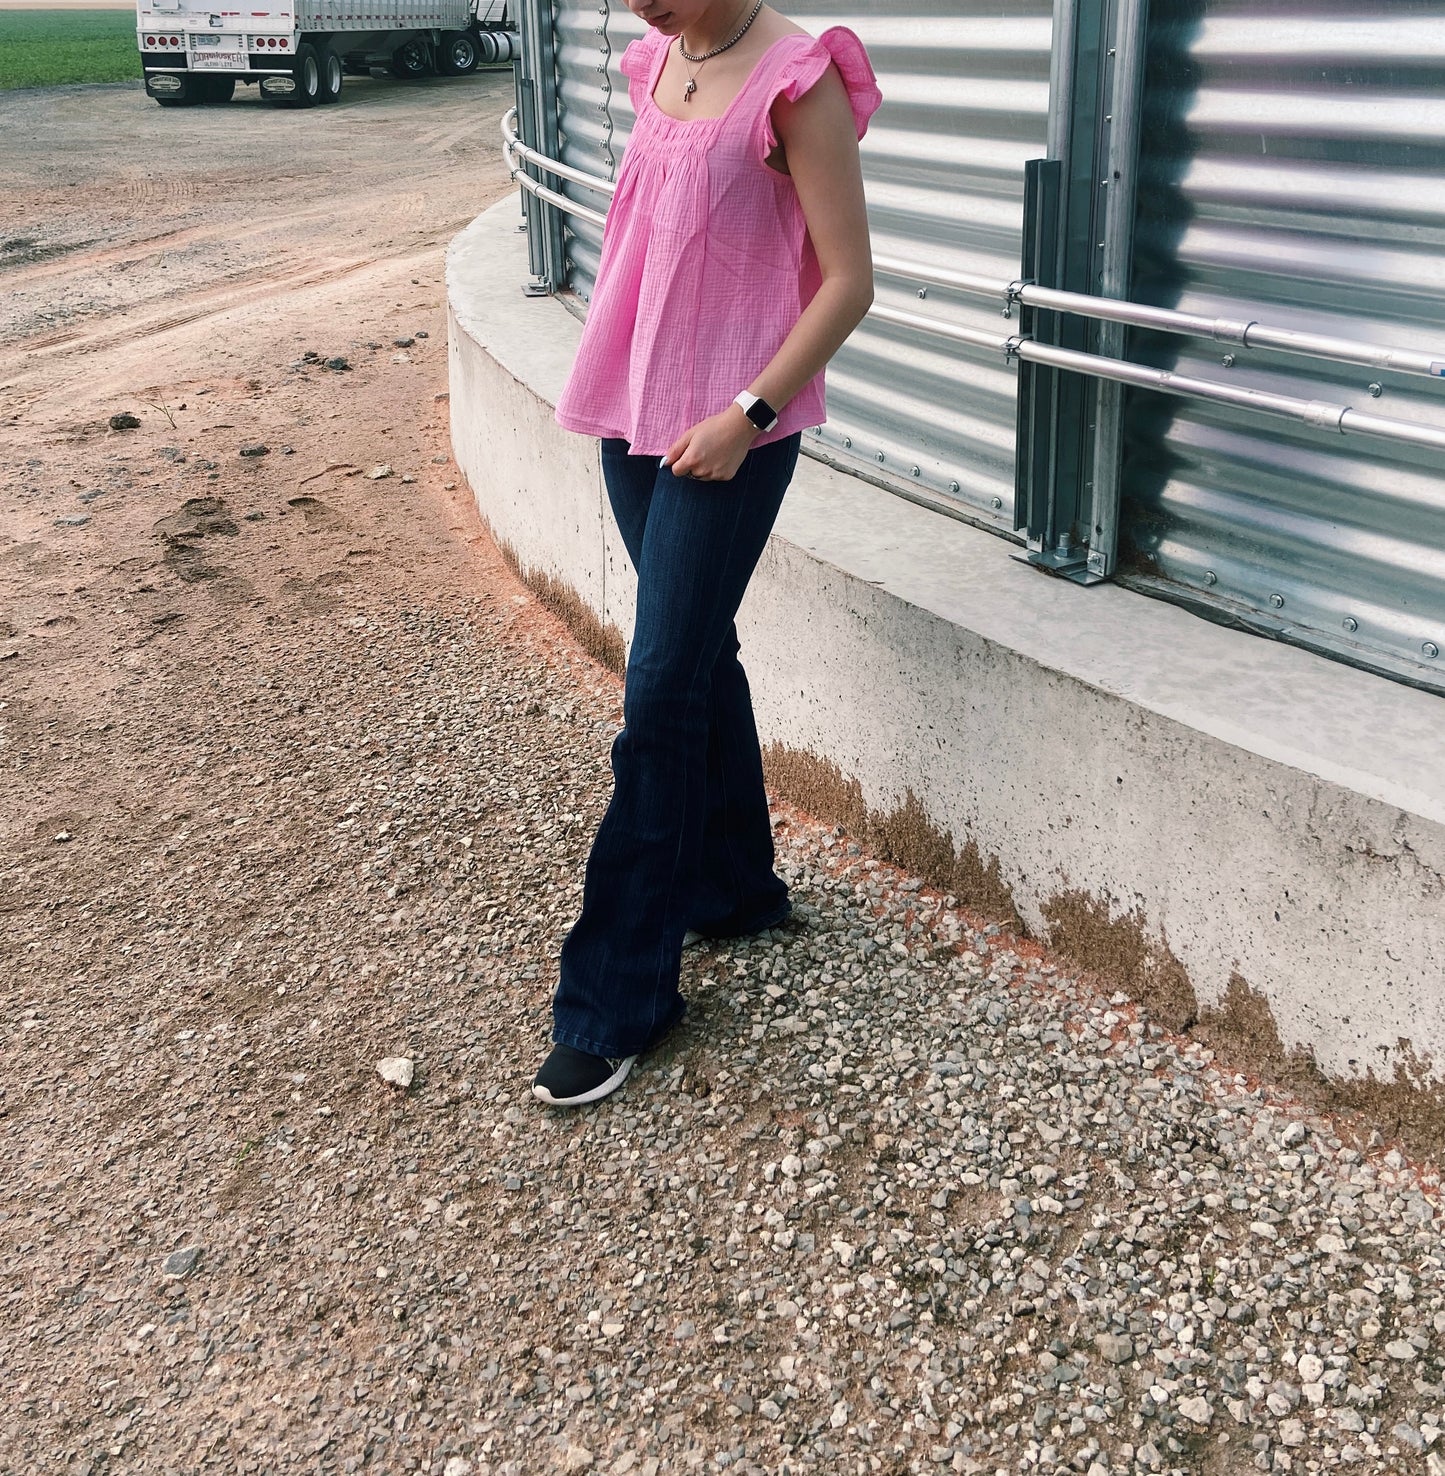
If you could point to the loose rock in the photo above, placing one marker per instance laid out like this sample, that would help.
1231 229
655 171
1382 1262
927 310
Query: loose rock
182 1262
398 1071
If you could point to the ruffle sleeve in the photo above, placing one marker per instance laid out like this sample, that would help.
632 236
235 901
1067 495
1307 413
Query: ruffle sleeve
806 64
636 64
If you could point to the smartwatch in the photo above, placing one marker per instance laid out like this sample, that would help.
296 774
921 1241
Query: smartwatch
757 410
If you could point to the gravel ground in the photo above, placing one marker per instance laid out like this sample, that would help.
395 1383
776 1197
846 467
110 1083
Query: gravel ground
296 778
897 1197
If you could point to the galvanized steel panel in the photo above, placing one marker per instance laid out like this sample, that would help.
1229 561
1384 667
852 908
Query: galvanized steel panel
1293 171
966 98
586 78
965 89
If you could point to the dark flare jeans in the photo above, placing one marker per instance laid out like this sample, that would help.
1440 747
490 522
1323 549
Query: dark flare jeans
686 841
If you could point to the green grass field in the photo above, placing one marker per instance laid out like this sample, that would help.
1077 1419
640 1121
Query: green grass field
48 48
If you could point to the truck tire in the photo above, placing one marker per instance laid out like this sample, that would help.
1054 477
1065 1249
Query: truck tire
216 91
412 60
331 74
458 54
307 72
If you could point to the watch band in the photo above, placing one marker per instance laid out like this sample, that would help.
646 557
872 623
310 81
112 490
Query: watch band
757 410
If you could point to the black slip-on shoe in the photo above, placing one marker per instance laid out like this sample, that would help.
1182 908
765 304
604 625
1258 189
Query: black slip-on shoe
692 938
572 1078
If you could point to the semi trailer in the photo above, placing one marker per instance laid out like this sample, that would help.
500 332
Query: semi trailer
298 51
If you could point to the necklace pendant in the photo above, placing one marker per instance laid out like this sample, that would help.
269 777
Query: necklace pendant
688 91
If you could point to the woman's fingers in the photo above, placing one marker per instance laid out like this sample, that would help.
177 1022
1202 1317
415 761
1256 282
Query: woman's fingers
677 449
711 451
686 459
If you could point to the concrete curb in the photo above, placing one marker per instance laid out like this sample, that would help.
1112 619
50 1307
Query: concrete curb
1226 826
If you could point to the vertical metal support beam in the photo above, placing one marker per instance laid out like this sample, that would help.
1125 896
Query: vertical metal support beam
537 284
1095 93
1036 462
537 124
1119 182
1061 76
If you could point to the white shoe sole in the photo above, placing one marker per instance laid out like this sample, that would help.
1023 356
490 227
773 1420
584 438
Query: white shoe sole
597 1093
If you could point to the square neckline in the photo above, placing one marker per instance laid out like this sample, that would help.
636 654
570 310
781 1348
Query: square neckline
721 117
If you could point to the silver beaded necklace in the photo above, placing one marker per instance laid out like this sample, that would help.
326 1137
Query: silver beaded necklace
687 56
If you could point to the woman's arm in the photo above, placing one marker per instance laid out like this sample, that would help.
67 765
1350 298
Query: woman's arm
819 140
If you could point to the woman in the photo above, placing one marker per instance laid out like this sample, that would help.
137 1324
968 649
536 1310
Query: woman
734 264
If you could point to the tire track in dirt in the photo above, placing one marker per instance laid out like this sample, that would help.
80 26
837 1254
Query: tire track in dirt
236 294
65 261
155 205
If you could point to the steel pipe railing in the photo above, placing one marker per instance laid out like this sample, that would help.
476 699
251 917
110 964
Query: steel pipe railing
1320 414
551 197
971 282
954 332
513 147
1344 419
1248 333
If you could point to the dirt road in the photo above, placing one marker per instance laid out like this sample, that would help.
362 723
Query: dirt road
294 776
262 758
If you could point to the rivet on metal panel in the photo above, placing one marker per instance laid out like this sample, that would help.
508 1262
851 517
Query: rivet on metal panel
923 291
954 487
1228 361
916 471
1350 624
994 502
1430 649
1210 577
1277 600
882 457
847 443
1376 390
817 430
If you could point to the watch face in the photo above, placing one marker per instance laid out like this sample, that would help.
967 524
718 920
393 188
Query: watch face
762 415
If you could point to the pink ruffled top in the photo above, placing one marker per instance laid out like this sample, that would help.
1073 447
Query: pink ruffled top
706 262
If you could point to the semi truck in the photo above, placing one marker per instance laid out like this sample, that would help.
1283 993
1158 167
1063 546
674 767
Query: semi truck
298 51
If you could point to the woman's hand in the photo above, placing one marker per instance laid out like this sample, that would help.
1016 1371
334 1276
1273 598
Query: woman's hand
713 450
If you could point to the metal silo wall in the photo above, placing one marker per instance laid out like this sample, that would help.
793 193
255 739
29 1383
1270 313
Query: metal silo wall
586 76
966 95
966 100
1293 171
